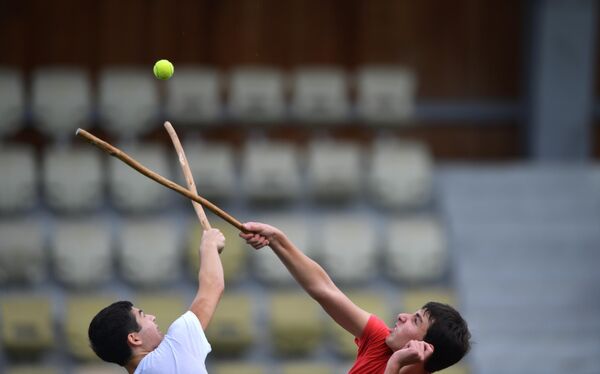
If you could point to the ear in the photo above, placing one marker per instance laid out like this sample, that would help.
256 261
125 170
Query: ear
134 339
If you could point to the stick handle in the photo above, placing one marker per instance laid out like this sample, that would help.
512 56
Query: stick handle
189 178
116 152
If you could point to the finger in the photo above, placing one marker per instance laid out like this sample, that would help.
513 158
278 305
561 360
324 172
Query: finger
246 236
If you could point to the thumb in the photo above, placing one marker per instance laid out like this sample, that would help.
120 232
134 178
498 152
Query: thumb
251 226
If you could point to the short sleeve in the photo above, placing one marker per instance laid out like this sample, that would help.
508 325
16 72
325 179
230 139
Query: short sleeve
187 332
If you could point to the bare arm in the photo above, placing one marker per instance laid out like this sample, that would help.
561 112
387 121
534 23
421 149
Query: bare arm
415 352
210 277
310 275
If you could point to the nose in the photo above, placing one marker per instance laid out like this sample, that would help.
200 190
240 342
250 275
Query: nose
402 317
152 318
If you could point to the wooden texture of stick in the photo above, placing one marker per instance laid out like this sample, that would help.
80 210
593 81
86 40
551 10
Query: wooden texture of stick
189 178
116 152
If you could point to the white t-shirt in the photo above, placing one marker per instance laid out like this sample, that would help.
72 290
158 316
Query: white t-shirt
182 351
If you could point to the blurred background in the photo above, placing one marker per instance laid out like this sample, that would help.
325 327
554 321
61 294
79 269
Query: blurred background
418 150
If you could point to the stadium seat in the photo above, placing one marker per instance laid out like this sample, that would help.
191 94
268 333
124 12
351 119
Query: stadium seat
104 368
132 191
385 93
256 94
320 94
349 248
233 258
270 171
22 257
149 252
128 101
166 307
415 298
12 100
343 341
213 168
231 331
415 250
334 169
61 99
304 368
400 174
18 185
32 369
295 324
193 95
267 266
238 368
79 312
73 179
81 253
26 324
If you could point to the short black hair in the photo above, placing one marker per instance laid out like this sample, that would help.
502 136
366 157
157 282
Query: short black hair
108 332
449 335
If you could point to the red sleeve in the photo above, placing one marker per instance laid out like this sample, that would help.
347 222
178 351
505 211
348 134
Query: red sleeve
375 329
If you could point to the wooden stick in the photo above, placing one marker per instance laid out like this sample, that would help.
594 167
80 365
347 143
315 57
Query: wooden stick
116 152
189 178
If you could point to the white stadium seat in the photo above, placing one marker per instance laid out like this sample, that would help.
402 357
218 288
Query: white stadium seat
270 171
213 167
256 94
18 184
400 174
128 100
132 191
22 255
334 169
72 178
349 248
81 253
149 252
268 267
320 94
12 100
194 95
415 250
61 99
385 93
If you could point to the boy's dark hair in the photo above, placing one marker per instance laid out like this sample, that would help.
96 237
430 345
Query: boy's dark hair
449 335
108 332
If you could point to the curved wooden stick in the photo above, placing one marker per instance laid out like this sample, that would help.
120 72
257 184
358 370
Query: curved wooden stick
189 178
116 152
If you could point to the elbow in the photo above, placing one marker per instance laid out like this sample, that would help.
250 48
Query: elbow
319 292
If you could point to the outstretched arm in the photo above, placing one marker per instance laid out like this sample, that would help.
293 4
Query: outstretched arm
210 277
310 275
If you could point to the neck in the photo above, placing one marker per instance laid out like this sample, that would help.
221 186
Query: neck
135 361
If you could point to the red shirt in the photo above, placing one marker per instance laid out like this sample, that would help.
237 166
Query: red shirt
373 353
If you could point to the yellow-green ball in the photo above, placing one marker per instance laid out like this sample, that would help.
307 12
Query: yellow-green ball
163 69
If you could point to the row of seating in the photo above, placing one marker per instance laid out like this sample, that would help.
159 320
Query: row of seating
128 100
295 325
86 253
395 174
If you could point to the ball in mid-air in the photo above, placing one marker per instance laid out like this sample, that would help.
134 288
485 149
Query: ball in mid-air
163 69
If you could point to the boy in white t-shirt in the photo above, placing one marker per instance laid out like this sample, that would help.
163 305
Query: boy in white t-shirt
126 335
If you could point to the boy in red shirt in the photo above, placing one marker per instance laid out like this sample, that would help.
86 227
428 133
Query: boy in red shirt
428 340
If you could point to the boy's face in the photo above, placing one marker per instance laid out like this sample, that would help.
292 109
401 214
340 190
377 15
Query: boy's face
406 328
149 333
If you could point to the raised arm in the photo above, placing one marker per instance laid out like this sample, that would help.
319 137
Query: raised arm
310 275
210 277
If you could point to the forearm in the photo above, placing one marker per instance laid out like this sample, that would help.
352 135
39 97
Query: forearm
392 368
210 284
308 273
